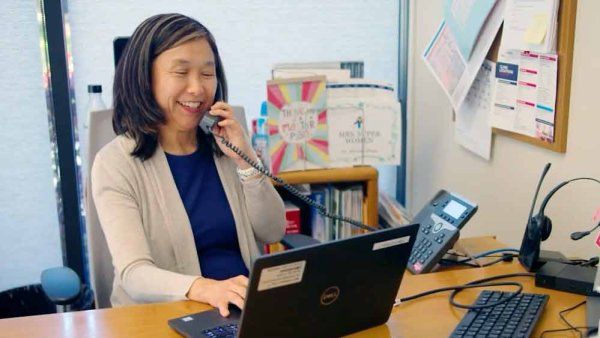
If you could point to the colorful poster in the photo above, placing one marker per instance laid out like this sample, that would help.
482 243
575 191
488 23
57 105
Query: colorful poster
297 124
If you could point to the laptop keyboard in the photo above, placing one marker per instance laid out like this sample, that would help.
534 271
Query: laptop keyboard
515 318
223 331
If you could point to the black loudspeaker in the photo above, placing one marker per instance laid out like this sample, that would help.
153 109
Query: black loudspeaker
539 226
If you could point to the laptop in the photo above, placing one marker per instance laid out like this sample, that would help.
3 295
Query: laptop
323 290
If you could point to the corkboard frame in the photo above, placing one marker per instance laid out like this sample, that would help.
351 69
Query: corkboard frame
567 12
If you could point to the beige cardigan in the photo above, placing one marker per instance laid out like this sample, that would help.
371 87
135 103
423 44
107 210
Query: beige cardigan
147 228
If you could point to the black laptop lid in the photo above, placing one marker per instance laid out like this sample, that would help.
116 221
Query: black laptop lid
327 290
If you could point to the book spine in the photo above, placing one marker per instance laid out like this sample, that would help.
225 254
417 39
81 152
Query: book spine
318 221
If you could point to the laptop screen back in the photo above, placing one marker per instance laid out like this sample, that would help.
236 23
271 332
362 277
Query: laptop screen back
327 290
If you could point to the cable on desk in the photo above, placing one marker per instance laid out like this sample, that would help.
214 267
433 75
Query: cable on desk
473 284
488 254
583 262
505 257
571 326
491 252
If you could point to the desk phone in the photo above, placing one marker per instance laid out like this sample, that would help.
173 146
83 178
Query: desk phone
440 219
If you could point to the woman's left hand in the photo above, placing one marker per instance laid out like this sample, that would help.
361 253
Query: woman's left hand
231 130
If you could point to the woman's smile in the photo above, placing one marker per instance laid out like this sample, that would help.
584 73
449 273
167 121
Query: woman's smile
192 107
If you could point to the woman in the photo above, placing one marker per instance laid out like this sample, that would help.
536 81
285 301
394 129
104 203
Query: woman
183 216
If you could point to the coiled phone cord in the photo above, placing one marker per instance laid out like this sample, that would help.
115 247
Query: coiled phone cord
320 208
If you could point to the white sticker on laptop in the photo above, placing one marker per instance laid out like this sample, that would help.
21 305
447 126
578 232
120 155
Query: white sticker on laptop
390 243
281 275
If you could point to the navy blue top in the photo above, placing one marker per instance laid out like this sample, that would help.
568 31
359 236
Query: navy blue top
209 212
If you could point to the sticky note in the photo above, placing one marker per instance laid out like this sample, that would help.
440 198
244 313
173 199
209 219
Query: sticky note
598 240
536 32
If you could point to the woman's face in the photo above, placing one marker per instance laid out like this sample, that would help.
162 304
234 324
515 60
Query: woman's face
184 83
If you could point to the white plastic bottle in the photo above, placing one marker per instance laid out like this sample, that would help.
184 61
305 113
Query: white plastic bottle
95 101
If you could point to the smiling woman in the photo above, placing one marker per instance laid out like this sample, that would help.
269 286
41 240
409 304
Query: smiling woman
178 220
166 54
184 84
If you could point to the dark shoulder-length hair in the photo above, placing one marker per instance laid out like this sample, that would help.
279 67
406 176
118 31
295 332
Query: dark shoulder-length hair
136 112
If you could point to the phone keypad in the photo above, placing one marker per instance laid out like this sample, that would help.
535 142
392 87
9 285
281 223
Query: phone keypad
421 252
438 232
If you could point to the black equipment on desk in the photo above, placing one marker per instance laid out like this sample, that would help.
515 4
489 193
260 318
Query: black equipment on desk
515 318
539 227
440 219
567 277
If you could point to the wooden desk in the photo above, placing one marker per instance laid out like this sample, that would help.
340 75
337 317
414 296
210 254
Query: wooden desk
431 316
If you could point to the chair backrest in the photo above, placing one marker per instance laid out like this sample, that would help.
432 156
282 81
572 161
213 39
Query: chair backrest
101 267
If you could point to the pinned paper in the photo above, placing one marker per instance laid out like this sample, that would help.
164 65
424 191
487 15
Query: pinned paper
536 32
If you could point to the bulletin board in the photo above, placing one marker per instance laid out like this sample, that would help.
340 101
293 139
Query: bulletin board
565 37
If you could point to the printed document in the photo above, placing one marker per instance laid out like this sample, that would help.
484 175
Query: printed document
368 123
443 57
530 25
525 94
465 19
472 128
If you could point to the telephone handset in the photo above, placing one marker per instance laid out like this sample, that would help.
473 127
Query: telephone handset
207 123
440 219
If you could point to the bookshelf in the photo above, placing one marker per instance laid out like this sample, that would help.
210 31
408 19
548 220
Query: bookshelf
365 174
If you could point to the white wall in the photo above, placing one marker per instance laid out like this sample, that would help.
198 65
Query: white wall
252 36
29 231
504 187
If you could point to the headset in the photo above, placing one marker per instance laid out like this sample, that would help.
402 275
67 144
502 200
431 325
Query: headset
539 226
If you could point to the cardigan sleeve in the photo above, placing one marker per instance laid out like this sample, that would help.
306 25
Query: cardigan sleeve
265 209
120 217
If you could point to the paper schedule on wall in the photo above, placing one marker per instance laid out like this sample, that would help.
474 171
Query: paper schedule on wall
525 94
472 128
443 57
297 123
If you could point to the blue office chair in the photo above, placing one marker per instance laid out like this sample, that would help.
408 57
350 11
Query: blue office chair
60 290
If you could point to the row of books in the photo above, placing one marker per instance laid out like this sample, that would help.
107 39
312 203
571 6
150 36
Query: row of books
392 213
340 199
344 200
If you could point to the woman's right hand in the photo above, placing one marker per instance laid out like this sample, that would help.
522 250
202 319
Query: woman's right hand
220 293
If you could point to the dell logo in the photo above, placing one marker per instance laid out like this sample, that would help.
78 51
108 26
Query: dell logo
330 295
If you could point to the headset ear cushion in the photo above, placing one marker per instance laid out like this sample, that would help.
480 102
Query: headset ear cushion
546 228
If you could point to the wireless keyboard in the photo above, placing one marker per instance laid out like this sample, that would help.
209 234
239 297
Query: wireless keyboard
515 318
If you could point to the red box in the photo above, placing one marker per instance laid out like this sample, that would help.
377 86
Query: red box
292 217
